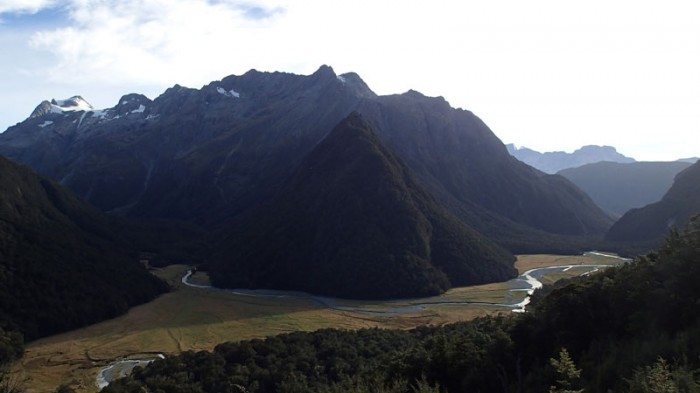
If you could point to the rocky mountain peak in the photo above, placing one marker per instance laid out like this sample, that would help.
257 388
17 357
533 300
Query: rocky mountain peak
132 103
356 85
553 162
72 104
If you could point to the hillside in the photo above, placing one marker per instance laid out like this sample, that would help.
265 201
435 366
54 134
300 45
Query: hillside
353 222
649 224
211 155
63 264
555 161
619 187
588 334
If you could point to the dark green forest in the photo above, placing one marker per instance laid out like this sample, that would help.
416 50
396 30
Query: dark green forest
63 264
354 222
633 328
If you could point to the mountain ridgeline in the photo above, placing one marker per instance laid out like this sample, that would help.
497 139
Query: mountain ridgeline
618 187
555 161
648 225
63 264
352 221
213 155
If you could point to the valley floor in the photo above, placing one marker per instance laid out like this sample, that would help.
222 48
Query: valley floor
195 318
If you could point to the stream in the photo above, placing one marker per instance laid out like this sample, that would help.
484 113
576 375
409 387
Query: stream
121 368
527 282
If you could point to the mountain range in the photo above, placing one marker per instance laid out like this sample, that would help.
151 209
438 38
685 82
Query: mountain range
215 156
212 154
555 161
618 187
649 224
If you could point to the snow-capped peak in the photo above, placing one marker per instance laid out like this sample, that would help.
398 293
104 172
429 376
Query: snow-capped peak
75 103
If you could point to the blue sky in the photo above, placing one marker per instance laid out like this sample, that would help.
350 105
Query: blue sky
549 75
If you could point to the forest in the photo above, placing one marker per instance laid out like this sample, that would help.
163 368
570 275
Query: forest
633 328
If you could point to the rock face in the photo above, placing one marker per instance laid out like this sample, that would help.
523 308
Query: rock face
352 221
649 224
63 264
618 187
212 155
555 161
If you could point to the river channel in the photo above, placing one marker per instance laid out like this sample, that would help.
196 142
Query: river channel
525 284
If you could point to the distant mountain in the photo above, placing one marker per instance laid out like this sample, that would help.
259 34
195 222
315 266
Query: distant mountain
63 264
352 221
619 187
553 162
212 155
649 224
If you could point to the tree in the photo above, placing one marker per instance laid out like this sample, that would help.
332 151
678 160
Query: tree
11 349
654 379
569 375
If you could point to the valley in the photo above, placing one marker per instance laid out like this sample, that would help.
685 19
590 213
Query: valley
192 318
298 185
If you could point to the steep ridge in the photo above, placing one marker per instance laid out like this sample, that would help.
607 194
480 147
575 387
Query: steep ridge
619 187
648 225
461 160
353 222
213 154
63 264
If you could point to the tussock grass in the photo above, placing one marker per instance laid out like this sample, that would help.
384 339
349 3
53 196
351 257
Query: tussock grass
197 319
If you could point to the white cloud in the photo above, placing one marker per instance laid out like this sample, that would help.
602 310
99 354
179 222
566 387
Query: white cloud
24 6
546 74
154 41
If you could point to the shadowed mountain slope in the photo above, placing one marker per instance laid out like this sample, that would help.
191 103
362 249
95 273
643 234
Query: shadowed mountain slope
352 221
649 224
214 154
63 264
619 187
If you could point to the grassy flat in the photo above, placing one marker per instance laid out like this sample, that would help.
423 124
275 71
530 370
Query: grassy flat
198 319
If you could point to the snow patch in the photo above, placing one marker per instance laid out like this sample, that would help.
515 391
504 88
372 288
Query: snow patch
341 79
46 123
99 113
231 93
140 109
73 104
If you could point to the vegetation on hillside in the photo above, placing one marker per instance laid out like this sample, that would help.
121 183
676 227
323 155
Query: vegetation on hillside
353 222
63 264
647 226
633 328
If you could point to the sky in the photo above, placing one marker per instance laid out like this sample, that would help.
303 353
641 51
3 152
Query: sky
551 75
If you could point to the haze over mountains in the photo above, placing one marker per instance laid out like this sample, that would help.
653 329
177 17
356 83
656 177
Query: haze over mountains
614 182
213 154
649 224
554 161
618 187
